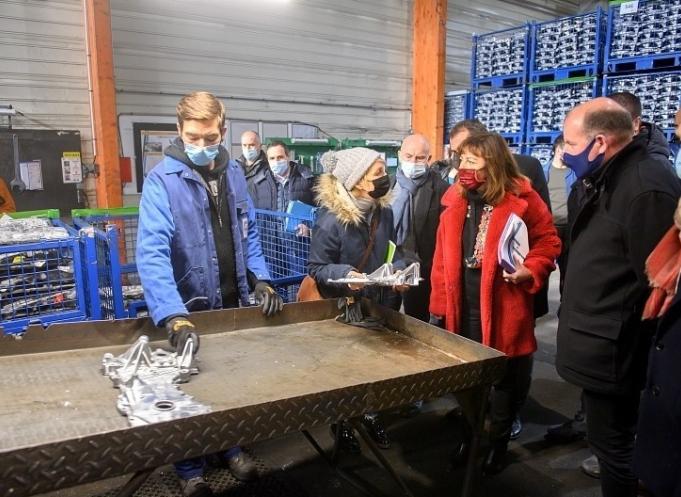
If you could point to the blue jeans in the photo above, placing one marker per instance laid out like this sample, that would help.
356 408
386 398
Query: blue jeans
191 468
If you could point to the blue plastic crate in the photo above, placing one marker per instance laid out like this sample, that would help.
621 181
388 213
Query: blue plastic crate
549 103
659 92
286 253
41 282
649 38
109 239
542 152
502 110
500 58
457 108
568 47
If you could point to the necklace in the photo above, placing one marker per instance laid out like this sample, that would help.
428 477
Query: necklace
475 260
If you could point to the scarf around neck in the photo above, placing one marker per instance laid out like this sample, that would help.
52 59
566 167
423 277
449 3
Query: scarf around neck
403 204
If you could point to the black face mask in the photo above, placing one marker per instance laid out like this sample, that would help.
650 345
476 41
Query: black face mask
381 187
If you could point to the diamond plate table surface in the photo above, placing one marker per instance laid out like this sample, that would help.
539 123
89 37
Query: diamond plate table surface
262 378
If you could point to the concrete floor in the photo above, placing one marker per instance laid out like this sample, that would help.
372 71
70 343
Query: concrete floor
422 445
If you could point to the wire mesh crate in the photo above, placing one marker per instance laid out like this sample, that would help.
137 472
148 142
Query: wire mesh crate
549 103
285 241
568 47
660 95
500 58
108 243
502 111
542 152
457 108
647 38
41 279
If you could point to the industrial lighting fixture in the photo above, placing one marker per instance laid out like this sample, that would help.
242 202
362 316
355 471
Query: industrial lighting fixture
7 110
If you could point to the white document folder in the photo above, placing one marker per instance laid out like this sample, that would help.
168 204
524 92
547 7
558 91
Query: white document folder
513 244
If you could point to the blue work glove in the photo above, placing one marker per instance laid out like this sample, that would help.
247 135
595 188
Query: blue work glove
180 329
268 298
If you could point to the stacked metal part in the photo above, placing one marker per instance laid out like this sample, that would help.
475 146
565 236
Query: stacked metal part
543 153
566 42
552 103
654 28
501 110
456 104
501 53
660 94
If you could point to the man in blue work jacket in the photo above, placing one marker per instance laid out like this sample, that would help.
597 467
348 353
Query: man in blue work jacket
198 247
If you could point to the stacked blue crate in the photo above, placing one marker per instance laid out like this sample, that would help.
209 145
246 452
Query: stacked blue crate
502 110
542 152
548 104
457 108
659 92
500 58
567 48
109 241
285 240
41 278
646 36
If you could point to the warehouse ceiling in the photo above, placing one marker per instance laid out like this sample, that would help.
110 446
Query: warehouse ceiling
483 16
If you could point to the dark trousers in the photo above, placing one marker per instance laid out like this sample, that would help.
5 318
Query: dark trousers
611 430
416 300
508 397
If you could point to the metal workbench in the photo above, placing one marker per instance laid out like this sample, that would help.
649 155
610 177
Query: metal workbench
262 378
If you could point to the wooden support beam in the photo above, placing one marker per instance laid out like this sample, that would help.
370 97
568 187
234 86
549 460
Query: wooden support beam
103 102
428 71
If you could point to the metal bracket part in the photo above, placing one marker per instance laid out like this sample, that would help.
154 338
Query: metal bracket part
148 383
386 276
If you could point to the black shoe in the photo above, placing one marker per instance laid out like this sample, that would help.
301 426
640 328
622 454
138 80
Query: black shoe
376 431
516 428
196 487
568 432
347 442
496 460
243 467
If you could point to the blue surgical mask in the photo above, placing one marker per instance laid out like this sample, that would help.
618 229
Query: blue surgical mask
201 156
412 169
279 167
250 153
581 164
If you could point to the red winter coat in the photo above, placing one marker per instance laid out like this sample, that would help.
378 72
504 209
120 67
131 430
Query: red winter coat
506 310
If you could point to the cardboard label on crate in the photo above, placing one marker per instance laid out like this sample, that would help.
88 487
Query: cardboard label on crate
71 169
629 7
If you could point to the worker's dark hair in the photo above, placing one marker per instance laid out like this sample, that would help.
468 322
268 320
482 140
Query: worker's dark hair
278 143
473 126
616 122
629 101
558 142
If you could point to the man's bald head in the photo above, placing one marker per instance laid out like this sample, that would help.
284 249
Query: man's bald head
250 138
415 148
677 124
601 120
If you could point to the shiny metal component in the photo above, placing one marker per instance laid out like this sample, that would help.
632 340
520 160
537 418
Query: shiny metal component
148 383
386 276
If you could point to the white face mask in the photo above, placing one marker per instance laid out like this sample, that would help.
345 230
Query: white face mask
279 167
250 153
412 169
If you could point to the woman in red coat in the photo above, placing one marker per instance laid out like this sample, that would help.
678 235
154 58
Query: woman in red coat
472 295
